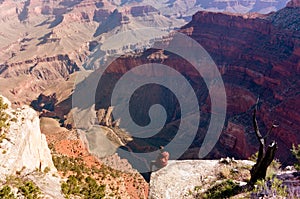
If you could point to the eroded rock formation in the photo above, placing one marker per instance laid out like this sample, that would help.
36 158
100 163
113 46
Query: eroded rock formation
256 57
25 151
26 147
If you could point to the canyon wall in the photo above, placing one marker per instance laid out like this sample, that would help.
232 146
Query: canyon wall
261 58
256 58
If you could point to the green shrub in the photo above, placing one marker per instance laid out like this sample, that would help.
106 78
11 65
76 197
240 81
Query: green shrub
71 186
6 193
4 120
29 190
4 117
296 152
224 189
80 183
88 188
26 188
272 187
92 190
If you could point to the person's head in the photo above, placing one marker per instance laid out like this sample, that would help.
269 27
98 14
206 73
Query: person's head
162 149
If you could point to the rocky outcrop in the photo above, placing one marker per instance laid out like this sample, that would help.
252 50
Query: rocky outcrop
138 11
190 179
179 178
62 67
25 151
27 147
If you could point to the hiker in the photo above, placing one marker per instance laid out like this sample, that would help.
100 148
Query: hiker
161 160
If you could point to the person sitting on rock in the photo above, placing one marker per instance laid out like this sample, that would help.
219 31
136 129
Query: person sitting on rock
161 160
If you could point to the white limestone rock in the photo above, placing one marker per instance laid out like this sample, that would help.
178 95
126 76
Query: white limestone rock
26 151
178 178
27 148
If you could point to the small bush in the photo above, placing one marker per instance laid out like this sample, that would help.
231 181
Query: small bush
47 170
273 188
225 172
80 183
296 152
4 120
224 189
71 186
6 193
88 188
29 190
4 117
26 188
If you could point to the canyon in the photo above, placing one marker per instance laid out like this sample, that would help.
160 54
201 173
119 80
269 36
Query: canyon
56 38
61 47
26 157
257 56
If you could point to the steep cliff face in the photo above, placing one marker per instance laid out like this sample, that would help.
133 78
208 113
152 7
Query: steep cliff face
26 147
260 57
256 58
25 152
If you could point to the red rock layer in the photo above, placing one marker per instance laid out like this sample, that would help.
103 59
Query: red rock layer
261 59
256 59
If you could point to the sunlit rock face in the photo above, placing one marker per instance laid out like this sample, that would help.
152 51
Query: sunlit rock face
55 38
27 146
27 152
179 178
